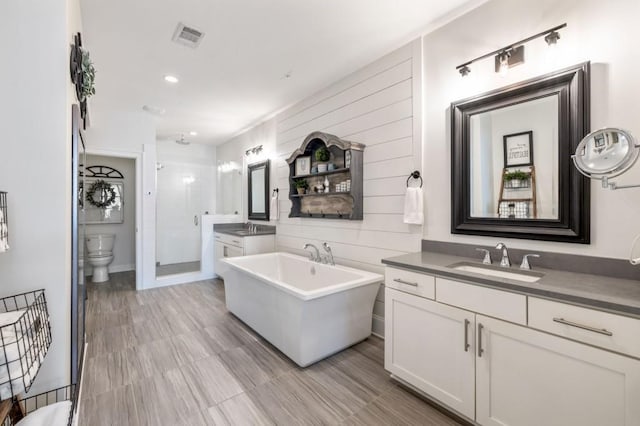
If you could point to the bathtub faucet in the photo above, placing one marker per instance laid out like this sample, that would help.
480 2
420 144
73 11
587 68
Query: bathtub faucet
313 258
329 258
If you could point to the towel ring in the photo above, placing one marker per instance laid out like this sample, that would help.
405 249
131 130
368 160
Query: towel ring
415 175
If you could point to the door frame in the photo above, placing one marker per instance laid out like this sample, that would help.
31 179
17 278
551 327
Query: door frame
137 159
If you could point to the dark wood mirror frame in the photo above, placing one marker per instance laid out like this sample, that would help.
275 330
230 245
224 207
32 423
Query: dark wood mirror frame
252 168
573 223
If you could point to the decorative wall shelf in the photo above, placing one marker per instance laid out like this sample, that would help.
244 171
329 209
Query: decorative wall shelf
347 158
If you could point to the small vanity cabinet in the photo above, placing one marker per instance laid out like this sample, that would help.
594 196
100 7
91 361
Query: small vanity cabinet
335 201
503 358
229 245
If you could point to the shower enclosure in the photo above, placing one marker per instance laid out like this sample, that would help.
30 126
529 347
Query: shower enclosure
185 191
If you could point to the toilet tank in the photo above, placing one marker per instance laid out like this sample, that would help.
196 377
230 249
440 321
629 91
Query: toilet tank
99 244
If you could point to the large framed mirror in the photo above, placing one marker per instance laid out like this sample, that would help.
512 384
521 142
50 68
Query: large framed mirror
512 173
258 191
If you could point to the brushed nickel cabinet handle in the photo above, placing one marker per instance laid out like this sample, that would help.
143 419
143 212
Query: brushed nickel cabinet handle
584 327
401 281
480 350
466 335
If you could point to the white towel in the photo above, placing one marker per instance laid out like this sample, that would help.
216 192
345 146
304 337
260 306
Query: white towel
413 206
50 415
4 244
274 210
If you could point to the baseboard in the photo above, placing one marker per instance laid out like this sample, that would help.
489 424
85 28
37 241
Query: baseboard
88 270
450 412
187 277
378 326
121 268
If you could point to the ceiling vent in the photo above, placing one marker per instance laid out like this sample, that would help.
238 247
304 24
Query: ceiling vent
187 36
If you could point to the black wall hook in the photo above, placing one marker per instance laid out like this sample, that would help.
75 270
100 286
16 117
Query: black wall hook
415 175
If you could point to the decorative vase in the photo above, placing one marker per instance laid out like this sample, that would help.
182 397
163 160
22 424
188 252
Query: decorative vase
300 191
322 167
314 170
331 167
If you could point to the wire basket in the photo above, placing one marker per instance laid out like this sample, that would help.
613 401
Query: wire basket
26 406
25 337
4 223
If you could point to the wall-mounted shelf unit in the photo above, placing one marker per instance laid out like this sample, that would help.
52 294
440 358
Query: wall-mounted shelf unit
346 157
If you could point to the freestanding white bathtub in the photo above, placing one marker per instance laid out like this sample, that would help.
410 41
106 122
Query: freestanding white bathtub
307 310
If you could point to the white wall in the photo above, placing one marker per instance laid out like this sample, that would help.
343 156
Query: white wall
230 199
375 106
603 32
35 123
130 133
124 250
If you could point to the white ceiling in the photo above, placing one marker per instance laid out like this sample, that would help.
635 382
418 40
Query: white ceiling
236 76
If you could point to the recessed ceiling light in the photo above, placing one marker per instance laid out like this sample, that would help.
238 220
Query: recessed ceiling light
192 133
171 79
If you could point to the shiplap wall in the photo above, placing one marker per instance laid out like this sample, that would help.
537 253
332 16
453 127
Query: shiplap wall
375 106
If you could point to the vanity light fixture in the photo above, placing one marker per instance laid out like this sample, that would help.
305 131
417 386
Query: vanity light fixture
552 38
255 150
513 54
502 60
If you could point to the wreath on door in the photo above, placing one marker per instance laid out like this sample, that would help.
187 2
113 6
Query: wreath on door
106 194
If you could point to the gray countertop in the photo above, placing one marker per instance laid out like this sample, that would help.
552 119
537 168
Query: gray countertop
616 295
240 229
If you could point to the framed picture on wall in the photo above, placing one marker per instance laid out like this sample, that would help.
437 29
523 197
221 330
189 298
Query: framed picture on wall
303 165
518 149
347 158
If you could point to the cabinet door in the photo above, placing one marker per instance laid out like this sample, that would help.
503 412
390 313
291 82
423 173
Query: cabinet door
526 377
224 250
430 346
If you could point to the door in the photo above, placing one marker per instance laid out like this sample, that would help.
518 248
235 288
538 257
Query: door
431 346
529 378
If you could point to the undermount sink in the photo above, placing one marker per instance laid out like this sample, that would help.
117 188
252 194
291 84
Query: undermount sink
244 232
497 272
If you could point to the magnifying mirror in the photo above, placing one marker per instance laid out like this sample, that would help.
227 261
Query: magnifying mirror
606 153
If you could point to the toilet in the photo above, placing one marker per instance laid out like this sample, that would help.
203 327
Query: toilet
100 255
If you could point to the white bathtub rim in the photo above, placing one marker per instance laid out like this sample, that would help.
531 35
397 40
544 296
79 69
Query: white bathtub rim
367 278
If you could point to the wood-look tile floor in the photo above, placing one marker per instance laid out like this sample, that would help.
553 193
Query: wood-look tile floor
176 356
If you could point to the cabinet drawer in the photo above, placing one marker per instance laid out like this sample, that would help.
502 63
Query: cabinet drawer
229 239
609 331
494 303
410 282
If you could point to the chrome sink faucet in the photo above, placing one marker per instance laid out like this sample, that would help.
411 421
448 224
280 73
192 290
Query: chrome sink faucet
251 227
329 258
312 257
505 261
487 256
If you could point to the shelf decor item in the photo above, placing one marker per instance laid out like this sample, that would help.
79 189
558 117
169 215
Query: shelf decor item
301 185
517 179
101 194
322 156
303 166
518 149
323 202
